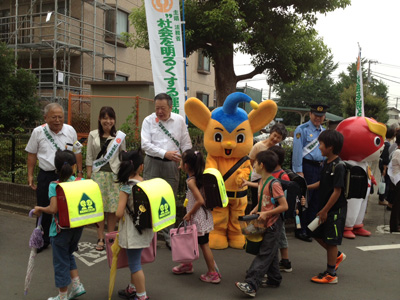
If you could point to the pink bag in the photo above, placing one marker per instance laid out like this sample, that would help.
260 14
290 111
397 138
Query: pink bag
184 243
148 254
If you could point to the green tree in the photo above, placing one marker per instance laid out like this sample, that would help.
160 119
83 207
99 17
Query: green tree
375 94
279 35
19 106
314 86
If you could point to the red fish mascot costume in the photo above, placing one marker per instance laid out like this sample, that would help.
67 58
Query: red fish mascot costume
228 138
363 142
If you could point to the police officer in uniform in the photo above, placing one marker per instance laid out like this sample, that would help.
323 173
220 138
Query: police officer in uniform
307 162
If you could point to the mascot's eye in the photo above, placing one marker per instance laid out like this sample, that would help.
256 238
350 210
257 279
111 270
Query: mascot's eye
377 141
240 138
218 137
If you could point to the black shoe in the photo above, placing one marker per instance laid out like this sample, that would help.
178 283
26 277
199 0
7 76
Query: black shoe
304 237
124 294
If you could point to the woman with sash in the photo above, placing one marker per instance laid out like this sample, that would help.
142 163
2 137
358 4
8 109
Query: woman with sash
102 165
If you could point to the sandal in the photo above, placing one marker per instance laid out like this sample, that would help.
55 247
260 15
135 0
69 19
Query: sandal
100 247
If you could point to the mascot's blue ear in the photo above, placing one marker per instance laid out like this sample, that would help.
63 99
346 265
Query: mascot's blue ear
230 115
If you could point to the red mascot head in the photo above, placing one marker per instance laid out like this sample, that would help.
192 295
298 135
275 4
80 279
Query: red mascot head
363 139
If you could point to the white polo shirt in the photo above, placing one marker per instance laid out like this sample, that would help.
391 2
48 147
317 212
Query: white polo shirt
155 142
45 150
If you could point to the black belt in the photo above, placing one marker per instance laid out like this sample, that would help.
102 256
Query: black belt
312 162
163 159
238 194
49 172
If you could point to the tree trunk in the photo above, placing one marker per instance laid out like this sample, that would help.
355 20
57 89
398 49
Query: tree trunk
225 78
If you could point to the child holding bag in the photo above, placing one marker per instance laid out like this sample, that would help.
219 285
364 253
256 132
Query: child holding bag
267 259
129 237
193 164
63 241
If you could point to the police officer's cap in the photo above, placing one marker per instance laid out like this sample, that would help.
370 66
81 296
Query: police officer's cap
319 109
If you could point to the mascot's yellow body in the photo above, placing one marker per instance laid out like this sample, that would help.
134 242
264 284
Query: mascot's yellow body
228 137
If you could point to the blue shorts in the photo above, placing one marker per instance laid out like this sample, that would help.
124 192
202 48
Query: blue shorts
134 259
63 246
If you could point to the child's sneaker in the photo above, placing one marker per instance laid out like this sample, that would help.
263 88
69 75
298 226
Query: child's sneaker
246 288
212 277
128 293
285 266
325 278
183 269
339 260
79 290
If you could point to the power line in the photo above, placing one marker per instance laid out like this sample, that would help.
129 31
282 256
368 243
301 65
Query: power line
374 72
387 79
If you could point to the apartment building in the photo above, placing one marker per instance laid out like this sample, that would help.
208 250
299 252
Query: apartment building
68 43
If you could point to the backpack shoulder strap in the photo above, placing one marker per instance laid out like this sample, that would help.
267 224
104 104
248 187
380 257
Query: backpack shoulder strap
235 167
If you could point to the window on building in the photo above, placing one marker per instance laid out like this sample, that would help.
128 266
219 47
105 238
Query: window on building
62 7
203 97
118 77
117 22
4 25
203 63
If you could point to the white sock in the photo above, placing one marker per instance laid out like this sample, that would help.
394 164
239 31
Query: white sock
75 282
64 295
141 295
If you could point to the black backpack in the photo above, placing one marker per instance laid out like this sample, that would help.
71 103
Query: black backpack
141 214
356 181
295 188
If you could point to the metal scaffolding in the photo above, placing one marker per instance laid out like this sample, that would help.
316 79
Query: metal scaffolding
65 43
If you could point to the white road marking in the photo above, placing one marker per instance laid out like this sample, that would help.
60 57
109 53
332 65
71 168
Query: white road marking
384 229
379 247
89 255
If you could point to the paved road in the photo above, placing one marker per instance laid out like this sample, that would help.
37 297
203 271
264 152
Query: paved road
364 275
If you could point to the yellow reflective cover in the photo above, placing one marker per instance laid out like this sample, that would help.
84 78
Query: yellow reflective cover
221 185
162 202
84 202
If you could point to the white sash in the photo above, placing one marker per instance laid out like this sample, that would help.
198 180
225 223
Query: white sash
310 146
98 163
49 137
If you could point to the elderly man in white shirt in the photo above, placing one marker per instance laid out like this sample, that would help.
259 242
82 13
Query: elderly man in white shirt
164 138
42 146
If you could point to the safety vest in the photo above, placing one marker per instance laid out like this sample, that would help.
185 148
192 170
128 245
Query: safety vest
162 202
79 203
214 188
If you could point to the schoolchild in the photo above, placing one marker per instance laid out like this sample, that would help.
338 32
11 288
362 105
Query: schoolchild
332 204
285 264
63 241
129 237
193 164
267 260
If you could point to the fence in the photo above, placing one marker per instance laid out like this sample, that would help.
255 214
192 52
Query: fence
14 158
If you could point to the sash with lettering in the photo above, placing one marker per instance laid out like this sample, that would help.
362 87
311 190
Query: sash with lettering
310 146
98 163
50 138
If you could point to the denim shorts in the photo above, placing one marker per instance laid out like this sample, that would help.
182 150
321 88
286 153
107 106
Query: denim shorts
63 246
134 259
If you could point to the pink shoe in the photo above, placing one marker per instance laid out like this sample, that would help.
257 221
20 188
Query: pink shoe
212 277
183 269
348 234
359 230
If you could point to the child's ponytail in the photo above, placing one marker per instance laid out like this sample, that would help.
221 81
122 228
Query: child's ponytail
64 162
130 163
195 161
